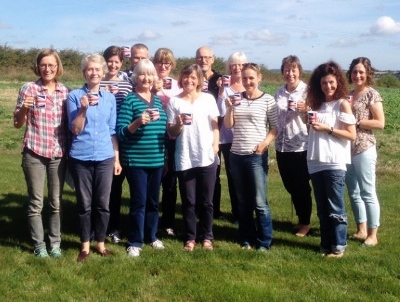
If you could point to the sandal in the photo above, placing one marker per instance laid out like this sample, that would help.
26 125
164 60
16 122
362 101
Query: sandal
189 245
207 245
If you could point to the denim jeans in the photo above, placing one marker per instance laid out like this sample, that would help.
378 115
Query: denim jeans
196 186
92 181
329 195
36 168
249 174
360 181
144 186
294 173
115 202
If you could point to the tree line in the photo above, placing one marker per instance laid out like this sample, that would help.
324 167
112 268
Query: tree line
16 64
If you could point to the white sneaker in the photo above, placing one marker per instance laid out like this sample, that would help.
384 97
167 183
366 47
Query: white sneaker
170 232
133 251
158 245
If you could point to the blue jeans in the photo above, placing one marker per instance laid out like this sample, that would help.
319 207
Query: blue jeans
144 186
196 186
329 195
360 181
92 181
36 168
249 173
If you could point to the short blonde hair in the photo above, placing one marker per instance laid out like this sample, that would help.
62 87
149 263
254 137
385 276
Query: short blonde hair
235 58
144 66
45 53
96 58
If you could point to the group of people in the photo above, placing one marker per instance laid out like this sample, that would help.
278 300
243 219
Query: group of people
153 130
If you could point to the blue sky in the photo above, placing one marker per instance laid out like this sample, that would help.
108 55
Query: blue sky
266 31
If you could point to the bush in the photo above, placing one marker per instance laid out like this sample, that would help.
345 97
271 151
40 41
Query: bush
388 81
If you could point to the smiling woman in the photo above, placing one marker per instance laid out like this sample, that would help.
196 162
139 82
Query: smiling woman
94 152
41 105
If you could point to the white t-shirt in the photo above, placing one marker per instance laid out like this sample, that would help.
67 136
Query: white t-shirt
194 145
328 152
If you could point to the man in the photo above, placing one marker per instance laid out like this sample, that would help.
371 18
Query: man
205 59
139 52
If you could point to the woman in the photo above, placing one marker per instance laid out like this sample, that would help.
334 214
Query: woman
164 63
42 105
94 152
291 141
249 157
141 130
329 152
360 178
192 119
234 67
116 82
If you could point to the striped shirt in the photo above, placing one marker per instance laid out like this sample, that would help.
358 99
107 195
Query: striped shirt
145 147
123 88
251 118
46 127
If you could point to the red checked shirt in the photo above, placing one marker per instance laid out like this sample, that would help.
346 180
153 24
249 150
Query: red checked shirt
45 132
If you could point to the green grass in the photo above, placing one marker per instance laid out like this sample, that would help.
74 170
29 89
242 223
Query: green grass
293 271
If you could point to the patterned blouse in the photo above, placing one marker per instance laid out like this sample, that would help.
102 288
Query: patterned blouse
361 110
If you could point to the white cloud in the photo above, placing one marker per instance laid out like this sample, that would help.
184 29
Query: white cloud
102 30
5 25
147 35
265 36
179 23
225 39
384 26
309 35
350 42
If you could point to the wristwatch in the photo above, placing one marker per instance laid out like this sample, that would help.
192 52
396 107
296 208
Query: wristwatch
358 124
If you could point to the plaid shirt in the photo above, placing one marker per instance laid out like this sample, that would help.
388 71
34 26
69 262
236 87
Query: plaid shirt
45 132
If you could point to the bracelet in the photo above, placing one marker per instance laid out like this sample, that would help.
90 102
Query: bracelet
330 131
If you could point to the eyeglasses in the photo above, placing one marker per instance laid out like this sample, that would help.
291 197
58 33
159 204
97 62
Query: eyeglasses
205 58
50 66
166 65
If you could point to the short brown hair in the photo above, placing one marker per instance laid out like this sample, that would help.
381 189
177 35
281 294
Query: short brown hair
370 71
45 53
187 70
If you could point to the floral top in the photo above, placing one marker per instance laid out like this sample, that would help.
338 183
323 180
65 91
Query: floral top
365 138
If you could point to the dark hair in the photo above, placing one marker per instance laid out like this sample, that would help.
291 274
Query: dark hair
45 53
292 61
187 70
370 71
113 51
315 95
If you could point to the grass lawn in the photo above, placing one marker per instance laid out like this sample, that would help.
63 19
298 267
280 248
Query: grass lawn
293 270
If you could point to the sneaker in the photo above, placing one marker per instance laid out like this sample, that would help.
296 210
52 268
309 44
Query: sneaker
158 245
56 252
134 251
41 253
170 232
115 237
246 246
262 249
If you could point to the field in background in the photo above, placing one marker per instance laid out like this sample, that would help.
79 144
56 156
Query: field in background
293 271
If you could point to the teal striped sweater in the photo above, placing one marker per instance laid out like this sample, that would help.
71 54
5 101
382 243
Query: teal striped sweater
144 148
